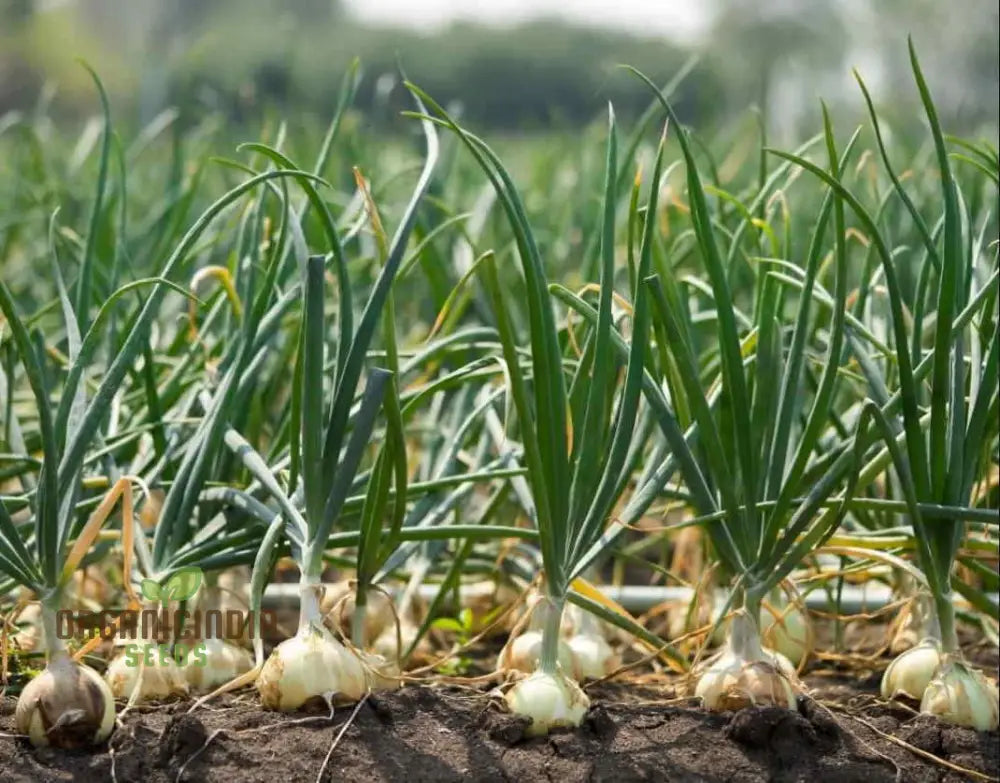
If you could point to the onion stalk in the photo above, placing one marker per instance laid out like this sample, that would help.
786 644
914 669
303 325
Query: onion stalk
68 704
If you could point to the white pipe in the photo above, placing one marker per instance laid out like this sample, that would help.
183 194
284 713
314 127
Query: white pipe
641 598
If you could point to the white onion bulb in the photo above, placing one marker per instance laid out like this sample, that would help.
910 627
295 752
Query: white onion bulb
378 616
593 657
786 630
389 647
550 700
961 695
743 674
309 665
910 673
68 705
222 662
523 653
160 680
383 673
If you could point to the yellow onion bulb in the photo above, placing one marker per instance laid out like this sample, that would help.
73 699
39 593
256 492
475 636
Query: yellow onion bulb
68 705
310 665
550 700
221 662
961 695
523 653
160 680
910 673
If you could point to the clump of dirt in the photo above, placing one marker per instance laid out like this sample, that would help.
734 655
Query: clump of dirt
448 734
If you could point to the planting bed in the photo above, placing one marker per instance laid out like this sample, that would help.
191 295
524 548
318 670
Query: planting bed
421 733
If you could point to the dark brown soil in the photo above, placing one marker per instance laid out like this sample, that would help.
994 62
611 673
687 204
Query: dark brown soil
446 734
842 732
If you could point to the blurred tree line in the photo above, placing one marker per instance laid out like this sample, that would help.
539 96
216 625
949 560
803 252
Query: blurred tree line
235 56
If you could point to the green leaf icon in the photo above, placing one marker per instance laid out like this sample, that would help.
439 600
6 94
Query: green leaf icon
150 589
182 584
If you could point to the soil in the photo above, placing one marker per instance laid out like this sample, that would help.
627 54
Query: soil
841 732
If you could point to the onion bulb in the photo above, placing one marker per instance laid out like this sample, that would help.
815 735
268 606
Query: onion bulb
592 656
743 674
961 695
388 646
378 614
312 664
786 630
68 705
222 662
524 652
910 673
160 680
550 700
382 672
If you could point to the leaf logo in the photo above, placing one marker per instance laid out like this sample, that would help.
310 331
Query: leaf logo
180 586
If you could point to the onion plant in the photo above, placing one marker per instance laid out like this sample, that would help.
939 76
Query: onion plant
939 459
330 445
580 441
743 469
68 704
43 555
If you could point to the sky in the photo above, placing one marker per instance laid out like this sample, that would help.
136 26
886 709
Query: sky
675 18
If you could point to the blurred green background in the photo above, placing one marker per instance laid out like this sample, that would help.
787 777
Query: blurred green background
510 65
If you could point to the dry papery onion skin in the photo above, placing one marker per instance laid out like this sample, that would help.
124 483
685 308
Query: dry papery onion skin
312 667
550 700
67 706
734 684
